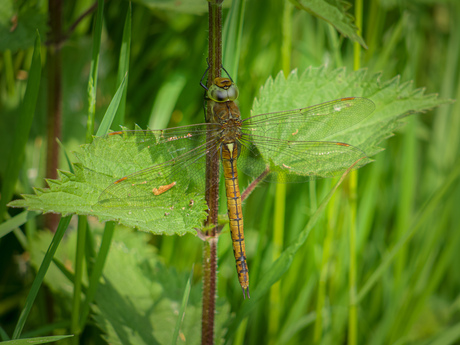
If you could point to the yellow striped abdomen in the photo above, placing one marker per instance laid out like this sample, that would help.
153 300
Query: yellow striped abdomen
235 214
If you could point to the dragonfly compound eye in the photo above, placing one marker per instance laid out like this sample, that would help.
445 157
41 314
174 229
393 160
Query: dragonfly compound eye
220 94
232 92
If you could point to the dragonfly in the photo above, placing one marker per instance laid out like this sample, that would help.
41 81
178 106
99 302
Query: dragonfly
284 146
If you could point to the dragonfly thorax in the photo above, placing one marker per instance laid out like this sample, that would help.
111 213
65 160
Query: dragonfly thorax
231 130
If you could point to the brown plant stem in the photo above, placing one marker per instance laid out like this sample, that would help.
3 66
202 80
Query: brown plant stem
249 189
57 42
212 183
54 107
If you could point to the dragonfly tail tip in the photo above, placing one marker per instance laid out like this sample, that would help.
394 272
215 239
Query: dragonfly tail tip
246 292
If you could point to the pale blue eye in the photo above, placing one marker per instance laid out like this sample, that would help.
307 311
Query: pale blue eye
223 93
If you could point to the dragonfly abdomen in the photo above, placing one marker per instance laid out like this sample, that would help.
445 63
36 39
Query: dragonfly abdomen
235 213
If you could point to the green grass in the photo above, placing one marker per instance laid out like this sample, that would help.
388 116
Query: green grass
406 240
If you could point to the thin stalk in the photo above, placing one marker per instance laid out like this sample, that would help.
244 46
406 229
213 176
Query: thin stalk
352 275
108 230
9 72
64 37
249 189
390 47
54 121
92 85
409 166
353 184
327 244
278 235
335 44
96 273
76 303
123 68
280 194
212 183
232 35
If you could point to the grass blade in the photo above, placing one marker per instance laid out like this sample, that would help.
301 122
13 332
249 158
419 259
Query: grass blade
92 83
97 271
63 224
181 315
123 68
39 340
26 114
15 222
423 214
233 29
111 110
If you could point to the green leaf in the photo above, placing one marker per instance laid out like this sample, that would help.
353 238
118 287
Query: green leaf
393 101
139 300
38 340
101 164
335 13
111 158
19 26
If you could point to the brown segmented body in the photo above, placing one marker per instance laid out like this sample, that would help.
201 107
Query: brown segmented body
228 114
235 213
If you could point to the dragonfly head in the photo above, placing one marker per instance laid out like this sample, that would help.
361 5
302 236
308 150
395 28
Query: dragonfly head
222 90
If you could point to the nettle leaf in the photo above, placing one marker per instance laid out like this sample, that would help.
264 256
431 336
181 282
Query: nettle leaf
19 25
335 13
100 165
393 101
138 300
113 157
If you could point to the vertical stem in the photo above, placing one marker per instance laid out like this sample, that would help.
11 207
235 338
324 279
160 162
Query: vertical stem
92 84
322 284
212 183
54 99
274 316
76 303
352 311
353 180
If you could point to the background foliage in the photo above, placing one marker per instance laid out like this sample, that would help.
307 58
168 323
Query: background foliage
407 222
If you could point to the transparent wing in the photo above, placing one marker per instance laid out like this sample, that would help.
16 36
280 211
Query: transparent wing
298 161
180 154
288 142
318 122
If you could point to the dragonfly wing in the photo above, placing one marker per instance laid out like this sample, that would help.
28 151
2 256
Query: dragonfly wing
318 122
298 161
179 174
288 142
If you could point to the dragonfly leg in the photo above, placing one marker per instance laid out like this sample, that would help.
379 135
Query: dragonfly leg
201 81
226 72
